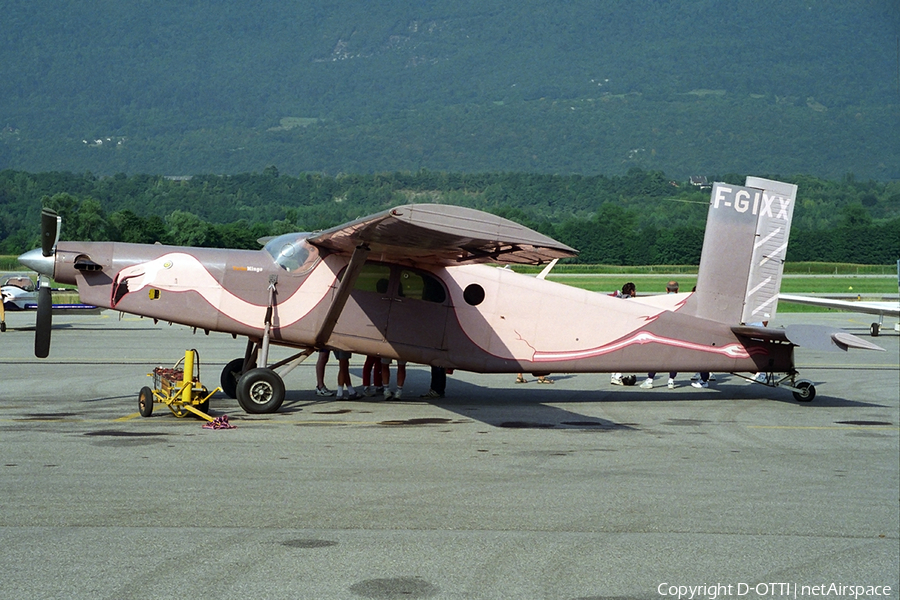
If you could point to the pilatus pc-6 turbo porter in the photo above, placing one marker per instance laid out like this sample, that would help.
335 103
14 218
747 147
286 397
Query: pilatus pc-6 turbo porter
412 283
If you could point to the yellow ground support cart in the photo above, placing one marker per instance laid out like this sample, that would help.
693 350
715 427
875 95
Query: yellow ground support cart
179 388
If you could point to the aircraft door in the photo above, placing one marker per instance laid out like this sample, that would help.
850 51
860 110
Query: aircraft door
419 310
366 312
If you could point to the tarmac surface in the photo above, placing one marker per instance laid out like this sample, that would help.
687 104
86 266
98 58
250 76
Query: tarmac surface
576 490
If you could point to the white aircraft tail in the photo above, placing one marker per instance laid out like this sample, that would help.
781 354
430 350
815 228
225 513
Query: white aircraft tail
746 239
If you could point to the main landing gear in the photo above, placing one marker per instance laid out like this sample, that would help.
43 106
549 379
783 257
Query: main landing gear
803 389
259 390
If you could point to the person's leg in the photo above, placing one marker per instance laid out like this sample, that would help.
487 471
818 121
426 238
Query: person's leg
401 374
439 380
704 380
368 367
344 372
377 378
386 374
320 368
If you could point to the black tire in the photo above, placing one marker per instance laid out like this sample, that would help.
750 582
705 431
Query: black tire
230 376
807 392
204 406
875 329
145 401
260 391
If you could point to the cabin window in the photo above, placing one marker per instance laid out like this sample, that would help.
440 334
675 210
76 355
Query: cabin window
420 286
473 294
373 278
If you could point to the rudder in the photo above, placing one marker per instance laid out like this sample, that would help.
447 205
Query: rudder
746 238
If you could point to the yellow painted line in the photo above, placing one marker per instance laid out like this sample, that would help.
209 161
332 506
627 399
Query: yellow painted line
127 417
838 427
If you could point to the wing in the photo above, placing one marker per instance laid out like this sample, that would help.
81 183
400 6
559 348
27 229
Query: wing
442 234
872 308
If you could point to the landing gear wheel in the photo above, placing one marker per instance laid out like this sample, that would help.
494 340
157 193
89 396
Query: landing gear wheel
875 329
230 376
807 391
260 391
145 401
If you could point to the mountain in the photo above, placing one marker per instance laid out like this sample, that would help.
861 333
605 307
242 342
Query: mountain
689 87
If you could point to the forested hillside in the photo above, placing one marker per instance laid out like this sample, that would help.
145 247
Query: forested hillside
638 218
690 87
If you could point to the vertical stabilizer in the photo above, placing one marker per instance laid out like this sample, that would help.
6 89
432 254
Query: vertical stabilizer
747 230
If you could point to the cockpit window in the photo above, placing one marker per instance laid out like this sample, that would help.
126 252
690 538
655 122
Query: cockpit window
292 253
20 282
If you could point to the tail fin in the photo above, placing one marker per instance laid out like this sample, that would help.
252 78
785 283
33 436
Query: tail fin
747 230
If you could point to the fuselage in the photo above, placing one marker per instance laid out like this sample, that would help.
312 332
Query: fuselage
470 317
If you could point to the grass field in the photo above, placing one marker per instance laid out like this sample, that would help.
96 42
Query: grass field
869 281
790 284
869 286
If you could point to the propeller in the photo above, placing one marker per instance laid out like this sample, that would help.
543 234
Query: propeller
43 322
50 226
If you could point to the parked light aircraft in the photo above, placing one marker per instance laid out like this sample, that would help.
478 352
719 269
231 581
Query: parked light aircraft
858 306
19 292
411 283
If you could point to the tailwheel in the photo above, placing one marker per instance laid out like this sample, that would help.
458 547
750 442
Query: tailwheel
260 391
806 391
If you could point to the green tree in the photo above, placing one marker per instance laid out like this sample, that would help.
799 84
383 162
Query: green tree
90 221
187 229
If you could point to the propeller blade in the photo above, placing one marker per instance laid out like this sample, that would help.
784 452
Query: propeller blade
43 322
49 231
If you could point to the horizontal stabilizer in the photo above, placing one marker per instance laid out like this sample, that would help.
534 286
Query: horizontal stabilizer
813 337
816 337
851 341
767 334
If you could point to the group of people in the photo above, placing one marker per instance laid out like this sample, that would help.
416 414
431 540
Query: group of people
376 378
699 380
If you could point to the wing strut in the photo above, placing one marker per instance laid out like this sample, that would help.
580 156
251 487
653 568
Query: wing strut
343 293
264 354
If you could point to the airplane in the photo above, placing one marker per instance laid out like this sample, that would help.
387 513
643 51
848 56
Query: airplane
419 282
19 292
859 306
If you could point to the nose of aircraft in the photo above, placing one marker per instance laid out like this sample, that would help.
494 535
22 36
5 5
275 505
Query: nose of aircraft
35 259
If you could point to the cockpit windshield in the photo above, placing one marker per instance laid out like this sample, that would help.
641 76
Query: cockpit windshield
292 253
